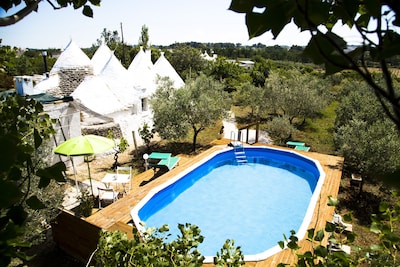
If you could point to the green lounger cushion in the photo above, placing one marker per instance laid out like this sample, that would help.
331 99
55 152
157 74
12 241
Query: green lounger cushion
303 148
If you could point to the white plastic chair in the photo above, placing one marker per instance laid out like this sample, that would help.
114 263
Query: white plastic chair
126 170
337 219
107 195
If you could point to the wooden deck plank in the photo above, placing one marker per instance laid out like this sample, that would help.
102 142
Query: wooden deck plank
119 212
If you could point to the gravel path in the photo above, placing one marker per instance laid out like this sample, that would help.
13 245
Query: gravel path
231 132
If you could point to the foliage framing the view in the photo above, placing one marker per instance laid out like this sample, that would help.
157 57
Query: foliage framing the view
375 21
383 253
151 248
33 5
24 129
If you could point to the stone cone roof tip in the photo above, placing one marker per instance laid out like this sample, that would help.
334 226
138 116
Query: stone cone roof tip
71 57
141 72
164 69
100 58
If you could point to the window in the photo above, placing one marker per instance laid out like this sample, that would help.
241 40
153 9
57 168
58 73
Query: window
144 104
133 110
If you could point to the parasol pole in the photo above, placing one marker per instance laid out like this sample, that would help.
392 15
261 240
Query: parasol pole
76 180
90 178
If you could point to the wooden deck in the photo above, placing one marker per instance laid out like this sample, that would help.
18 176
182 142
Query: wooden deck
117 215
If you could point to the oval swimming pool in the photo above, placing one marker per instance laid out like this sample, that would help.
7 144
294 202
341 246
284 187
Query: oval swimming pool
253 203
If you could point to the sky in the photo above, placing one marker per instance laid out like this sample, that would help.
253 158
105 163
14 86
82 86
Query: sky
168 22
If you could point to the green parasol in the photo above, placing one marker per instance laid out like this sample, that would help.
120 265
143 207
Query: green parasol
85 145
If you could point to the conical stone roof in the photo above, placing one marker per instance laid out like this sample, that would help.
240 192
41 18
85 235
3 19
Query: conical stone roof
72 57
164 69
100 58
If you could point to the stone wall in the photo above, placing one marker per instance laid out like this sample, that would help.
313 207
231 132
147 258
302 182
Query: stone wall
71 78
103 129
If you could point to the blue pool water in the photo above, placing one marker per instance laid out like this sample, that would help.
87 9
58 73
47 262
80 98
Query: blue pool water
253 204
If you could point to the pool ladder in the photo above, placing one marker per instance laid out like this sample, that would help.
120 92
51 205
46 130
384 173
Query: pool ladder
238 149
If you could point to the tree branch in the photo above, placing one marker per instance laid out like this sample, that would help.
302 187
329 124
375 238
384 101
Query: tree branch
32 6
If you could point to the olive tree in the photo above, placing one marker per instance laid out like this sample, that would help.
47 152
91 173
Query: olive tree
280 129
197 105
228 73
367 139
187 61
254 97
295 95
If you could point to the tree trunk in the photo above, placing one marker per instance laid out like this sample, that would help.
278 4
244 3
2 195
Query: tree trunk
195 133
115 164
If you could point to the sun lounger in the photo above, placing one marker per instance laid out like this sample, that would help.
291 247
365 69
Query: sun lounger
162 160
293 143
302 148
170 163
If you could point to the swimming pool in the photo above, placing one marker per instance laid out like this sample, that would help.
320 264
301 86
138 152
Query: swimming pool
281 187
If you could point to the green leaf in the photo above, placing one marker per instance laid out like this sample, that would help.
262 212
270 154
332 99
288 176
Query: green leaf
9 152
350 236
310 233
241 6
9 194
373 7
53 172
391 44
330 227
275 17
62 3
318 12
87 11
383 206
332 201
376 247
375 228
347 217
37 138
324 49
321 251
320 235
346 11
363 20
17 214
34 203
392 237
95 2
293 245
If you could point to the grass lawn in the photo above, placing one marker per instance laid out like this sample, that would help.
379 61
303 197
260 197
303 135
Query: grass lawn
318 133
